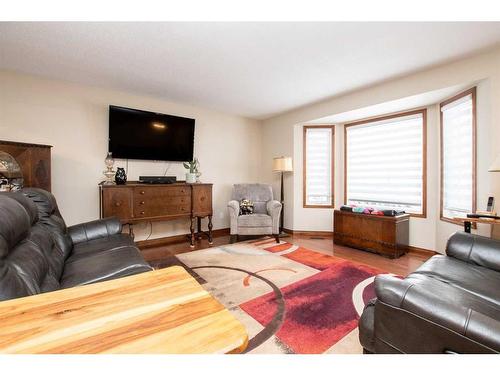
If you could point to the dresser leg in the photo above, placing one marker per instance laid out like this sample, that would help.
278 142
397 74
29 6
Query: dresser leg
210 226
191 238
131 231
199 232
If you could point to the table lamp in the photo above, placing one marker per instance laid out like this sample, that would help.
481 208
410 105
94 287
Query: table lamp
282 164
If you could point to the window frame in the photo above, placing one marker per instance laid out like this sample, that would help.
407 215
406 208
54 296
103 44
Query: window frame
472 92
423 112
304 166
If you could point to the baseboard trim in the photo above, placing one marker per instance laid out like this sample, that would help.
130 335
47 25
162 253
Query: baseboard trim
421 251
309 232
170 240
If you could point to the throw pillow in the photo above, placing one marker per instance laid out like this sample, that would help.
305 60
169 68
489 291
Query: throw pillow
246 207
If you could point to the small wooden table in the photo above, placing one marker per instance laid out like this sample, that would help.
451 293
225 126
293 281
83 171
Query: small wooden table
469 220
162 311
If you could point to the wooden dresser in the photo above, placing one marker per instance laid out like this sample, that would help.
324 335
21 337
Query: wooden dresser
135 202
34 161
378 234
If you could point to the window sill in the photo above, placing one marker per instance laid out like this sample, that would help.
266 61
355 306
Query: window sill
317 206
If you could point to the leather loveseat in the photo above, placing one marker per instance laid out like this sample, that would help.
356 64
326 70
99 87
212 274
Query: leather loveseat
451 304
38 253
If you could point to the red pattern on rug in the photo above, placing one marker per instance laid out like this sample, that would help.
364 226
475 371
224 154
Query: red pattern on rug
319 309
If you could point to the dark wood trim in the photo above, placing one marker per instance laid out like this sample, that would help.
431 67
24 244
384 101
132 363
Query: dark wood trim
309 232
472 92
421 251
23 144
304 168
165 241
423 112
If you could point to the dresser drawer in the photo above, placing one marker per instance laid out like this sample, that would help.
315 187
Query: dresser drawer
160 193
150 210
117 202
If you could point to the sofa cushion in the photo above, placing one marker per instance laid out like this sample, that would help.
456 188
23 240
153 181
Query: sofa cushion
255 220
24 267
100 266
474 249
480 281
50 218
84 249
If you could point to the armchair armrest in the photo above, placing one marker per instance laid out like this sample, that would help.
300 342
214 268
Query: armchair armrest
234 211
96 229
474 249
274 210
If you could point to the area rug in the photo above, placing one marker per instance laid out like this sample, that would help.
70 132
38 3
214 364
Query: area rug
291 299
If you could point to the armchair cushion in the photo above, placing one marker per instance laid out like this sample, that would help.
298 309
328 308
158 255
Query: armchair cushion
94 230
259 194
255 220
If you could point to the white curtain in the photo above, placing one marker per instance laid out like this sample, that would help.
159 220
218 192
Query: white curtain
384 162
319 150
457 157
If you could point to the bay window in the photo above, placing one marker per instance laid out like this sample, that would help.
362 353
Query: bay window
385 162
458 155
318 166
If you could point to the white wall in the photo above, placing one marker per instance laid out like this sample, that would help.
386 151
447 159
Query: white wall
74 119
430 233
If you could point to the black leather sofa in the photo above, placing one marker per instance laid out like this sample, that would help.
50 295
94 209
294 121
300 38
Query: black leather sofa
451 304
38 253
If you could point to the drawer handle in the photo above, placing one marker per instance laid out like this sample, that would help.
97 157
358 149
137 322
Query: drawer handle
118 204
143 192
142 212
142 202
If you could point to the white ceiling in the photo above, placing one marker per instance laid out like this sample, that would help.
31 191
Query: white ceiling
403 104
251 69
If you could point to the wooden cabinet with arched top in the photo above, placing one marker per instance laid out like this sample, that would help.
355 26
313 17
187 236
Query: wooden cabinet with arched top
34 160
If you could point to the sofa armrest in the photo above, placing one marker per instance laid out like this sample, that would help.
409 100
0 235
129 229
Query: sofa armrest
420 299
474 249
96 229
274 210
234 211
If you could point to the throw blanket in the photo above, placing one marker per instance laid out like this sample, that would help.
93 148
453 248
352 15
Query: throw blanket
370 211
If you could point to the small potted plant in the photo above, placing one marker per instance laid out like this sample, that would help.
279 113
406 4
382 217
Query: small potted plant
192 167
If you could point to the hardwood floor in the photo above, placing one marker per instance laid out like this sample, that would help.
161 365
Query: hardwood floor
321 243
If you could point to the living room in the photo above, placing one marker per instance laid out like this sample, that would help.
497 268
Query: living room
202 187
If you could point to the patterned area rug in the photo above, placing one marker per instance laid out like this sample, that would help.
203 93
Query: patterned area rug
291 299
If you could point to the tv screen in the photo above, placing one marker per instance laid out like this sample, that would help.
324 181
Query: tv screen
135 134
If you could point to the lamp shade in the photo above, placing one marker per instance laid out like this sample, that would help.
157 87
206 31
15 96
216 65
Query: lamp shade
495 167
282 164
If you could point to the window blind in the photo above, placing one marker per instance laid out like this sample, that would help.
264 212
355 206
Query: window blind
318 166
457 157
384 163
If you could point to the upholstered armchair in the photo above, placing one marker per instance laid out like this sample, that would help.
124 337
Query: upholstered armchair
266 215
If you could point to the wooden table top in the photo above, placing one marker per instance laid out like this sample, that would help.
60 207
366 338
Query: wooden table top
162 311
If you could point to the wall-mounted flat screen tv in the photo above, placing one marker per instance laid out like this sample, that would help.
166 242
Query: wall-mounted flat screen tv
136 134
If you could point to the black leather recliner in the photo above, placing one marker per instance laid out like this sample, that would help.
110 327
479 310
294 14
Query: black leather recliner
451 304
38 253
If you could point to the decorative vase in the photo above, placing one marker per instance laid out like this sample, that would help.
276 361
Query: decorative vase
109 172
190 178
120 176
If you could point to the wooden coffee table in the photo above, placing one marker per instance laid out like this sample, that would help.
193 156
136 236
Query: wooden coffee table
162 311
